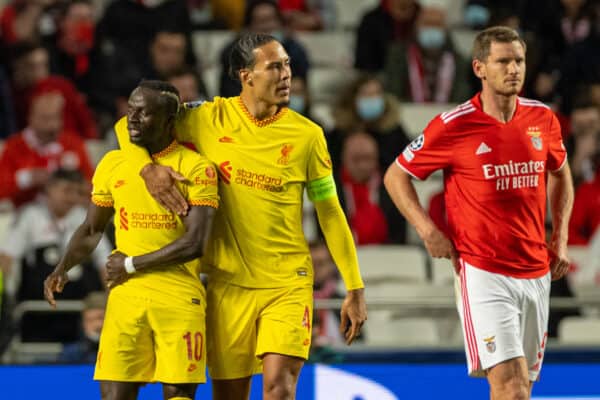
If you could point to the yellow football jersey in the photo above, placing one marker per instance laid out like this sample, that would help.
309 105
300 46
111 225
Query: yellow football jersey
142 225
257 239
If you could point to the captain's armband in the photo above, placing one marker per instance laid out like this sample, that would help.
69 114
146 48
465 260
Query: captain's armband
321 189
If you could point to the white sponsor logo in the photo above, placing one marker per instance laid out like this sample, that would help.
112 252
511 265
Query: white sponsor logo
514 175
332 383
408 155
483 148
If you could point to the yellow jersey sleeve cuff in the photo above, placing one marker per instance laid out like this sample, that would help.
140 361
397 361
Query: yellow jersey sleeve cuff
206 202
102 202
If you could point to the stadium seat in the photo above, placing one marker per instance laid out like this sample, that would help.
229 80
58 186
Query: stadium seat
95 149
415 117
329 49
442 271
6 218
463 41
350 12
325 82
392 263
321 112
411 293
403 332
579 331
425 189
211 76
207 45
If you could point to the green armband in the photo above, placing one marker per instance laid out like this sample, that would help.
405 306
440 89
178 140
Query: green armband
321 189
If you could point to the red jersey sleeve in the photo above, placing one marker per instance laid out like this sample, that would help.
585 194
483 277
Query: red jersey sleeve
429 152
557 155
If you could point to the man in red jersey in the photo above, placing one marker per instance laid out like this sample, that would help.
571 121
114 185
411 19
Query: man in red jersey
499 153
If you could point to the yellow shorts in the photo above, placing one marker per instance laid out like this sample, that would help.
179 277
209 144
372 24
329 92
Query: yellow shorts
244 324
148 337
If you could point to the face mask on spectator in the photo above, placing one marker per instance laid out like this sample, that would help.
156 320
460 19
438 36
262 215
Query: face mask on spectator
80 37
297 103
370 108
431 38
476 16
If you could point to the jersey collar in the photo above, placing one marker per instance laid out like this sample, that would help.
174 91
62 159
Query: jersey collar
476 101
262 122
166 151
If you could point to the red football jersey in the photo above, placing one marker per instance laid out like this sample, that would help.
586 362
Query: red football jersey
495 182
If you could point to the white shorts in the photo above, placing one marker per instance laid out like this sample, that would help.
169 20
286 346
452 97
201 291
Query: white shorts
502 318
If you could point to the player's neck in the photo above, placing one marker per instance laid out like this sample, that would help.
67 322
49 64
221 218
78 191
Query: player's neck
500 107
258 109
162 143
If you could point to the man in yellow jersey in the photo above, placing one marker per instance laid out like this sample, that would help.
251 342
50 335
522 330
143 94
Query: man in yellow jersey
154 329
259 295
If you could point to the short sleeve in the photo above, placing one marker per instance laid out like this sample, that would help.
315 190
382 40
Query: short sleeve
429 152
557 155
101 194
202 188
319 160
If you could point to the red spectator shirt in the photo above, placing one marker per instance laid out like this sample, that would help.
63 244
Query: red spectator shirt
495 182
21 152
586 212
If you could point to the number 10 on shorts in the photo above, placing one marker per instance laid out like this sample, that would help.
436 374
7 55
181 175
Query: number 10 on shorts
194 350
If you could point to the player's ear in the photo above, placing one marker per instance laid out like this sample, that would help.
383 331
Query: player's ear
246 76
478 68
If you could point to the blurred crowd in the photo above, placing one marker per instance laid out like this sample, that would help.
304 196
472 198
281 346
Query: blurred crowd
68 66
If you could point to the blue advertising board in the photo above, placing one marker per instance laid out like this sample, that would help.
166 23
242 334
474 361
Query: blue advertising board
323 382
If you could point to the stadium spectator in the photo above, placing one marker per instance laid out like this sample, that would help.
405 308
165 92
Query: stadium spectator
364 105
29 157
308 15
392 21
372 216
85 350
586 209
263 16
580 69
72 51
30 75
583 141
188 83
427 68
167 54
20 20
565 24
124 34
32 247
229 12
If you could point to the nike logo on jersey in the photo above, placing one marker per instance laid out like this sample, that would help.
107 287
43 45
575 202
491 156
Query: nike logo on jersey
119 183
192 367
483 148
226 139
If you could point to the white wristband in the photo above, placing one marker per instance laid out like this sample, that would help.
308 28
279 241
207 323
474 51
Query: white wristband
129 267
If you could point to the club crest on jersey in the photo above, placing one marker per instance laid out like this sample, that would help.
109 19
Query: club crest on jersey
490 344
286 149
418 143
536 137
